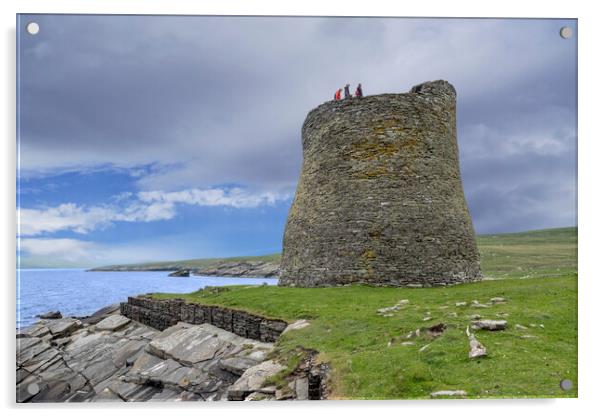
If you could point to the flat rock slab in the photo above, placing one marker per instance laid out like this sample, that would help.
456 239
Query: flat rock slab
126 354
133 392
476 304
101 314
258 396
476 348
113 323
489 324
122 360
188 345
63 327
29 348
448 393
253 379
237 365
35 330
302 389
106 395
299 324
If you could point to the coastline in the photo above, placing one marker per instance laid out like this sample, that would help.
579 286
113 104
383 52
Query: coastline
75 292
235 269
111 357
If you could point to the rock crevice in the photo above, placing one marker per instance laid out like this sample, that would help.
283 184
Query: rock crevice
121 360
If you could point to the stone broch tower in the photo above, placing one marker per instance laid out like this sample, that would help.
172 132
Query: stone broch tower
380 197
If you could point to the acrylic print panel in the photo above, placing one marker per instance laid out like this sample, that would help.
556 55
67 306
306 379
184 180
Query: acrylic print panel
260 208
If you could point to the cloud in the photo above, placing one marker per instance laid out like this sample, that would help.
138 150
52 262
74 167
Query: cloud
52 252
235 197
483 141
63 217
162 90
145 206
208 101
70 250
83 220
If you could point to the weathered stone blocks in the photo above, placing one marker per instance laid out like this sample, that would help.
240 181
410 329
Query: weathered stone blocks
380 198
161 314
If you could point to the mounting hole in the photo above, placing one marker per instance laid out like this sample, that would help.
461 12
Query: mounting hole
33 28
33 388
566 384
566 32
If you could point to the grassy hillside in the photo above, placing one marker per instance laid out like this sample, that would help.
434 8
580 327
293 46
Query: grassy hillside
365 348
189 263
540 253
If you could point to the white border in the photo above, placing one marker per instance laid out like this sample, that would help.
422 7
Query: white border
589 200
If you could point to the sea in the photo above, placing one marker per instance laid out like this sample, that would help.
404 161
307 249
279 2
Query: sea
76 292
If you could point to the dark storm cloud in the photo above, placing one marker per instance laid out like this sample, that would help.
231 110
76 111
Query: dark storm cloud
209 101
526 192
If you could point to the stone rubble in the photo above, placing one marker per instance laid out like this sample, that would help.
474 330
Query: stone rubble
476 348
386 311
113 323
253 379
456 393
51 315
477 304
299 324
413 334
489 325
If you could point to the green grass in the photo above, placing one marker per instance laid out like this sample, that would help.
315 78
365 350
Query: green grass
540 253
353 338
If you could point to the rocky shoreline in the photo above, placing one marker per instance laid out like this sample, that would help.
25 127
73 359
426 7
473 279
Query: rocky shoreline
110 357
242 269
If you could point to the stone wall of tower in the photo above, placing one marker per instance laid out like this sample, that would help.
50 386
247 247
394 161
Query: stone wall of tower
380 197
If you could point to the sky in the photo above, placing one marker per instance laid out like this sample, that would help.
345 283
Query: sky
148 138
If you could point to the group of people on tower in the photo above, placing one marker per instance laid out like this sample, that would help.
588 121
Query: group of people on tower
358 92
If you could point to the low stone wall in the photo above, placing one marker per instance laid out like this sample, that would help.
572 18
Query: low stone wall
161 314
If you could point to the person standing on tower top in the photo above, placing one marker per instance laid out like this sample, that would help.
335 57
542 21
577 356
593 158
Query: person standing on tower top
358 91
347 94
337 95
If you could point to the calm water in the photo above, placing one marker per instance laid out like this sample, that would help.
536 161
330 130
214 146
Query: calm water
75 292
